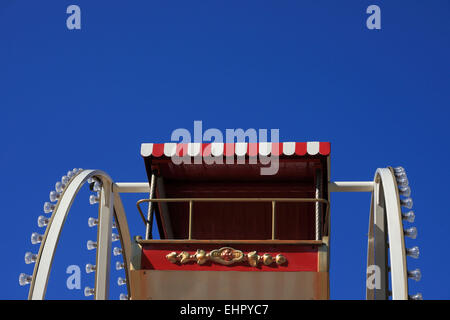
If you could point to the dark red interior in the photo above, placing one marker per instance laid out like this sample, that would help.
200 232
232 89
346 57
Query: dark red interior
239 220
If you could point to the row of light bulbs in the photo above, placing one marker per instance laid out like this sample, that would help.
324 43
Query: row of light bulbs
43 221
406 201
92 245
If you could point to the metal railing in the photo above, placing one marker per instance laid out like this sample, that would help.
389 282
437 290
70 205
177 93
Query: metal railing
191 201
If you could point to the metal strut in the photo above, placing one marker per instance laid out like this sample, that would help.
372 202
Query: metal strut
318 207
149 224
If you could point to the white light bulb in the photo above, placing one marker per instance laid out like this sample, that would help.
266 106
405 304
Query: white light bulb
403 181
404 191
119 265
121 281
411 232
117 251
115 237
97 186
415 275
54 196
30 257
36 238
59 187
88 291
91 245
92 222
24 279
407 203
93 199
70 174
413 252
90 268
399 169
401 175
90 180
123 296
48 207
417 296
42 221
409 216
65 180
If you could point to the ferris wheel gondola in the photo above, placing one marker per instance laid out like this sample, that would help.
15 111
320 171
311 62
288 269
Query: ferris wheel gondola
293 230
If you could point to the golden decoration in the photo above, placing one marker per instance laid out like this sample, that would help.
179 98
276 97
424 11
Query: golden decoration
253 258
172 257
267 259
280 259
225 256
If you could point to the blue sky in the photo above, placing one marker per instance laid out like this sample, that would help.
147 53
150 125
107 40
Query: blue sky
137 70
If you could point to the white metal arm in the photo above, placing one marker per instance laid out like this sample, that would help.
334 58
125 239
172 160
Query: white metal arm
337 186
38 285
386 233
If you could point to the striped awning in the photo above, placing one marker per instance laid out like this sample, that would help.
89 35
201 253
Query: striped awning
240 149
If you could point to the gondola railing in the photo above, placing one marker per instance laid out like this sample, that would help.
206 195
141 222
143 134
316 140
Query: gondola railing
191 202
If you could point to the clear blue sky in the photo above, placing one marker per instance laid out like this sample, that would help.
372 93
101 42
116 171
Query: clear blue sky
137 70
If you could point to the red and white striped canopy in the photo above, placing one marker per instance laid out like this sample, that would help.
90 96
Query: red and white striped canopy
159 150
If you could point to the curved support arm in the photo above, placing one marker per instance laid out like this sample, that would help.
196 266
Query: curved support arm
386 223
103 259
38 285
125 238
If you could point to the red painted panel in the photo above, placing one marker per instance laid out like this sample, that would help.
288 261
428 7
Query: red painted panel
228 149
300 148
206 149
299 258
252 149
158 149
324 148
277 149
182 149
